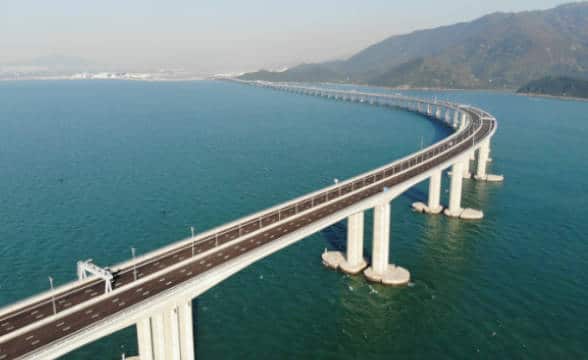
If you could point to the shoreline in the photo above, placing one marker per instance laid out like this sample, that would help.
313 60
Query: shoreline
553 97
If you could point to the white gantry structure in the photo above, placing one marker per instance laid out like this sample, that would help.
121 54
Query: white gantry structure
154 292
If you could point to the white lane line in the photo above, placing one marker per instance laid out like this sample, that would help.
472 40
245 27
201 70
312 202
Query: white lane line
189 274
66 328
59 324
95 316
39 316
29 337
162 279
35 342
146 293
169 283
122 303
88 312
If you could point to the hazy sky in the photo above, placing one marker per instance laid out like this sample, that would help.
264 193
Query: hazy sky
221 35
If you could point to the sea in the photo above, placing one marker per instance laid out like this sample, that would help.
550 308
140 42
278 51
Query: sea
89 169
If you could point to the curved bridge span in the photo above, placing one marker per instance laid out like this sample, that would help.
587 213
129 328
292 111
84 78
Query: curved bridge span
154 291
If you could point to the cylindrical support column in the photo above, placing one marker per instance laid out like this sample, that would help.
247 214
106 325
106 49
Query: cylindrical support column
381 242
158 336
482 160
172 332
455 118
355 239
464 118
434 204
186 331
144 339
466 168
455 190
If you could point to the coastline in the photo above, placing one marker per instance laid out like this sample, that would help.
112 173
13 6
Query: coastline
553 97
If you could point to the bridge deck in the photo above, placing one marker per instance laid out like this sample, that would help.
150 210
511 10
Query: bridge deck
265 229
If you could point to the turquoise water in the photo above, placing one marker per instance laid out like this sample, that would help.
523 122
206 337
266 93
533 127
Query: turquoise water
90 169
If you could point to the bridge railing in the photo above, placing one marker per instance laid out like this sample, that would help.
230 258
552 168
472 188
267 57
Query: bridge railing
220 235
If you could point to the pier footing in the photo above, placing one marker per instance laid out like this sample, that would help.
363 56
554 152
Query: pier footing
332 259
393 276
490 178
465 214
336 260
424 208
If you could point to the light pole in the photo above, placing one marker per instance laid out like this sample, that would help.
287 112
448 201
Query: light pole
134 264
336 181
192 230
52 295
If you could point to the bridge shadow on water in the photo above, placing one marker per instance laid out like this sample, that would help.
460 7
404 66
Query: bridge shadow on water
413 194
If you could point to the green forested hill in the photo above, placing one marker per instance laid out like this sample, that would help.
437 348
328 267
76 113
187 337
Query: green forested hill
496 51
557 86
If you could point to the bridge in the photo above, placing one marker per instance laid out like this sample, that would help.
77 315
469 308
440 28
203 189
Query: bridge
154 291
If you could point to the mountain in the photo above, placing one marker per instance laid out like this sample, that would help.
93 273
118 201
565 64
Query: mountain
500 50
557 86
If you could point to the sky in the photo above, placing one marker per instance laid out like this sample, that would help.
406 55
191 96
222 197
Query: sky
220 36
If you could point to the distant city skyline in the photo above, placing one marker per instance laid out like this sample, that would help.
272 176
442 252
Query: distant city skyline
224 36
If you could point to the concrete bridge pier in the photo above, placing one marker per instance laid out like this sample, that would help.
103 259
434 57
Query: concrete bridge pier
455 119
483 157
464 121
353 261
167 334
381 270
466 168
455 210
434 204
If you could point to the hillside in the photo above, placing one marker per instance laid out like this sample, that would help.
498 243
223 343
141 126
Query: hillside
557 86
496 51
